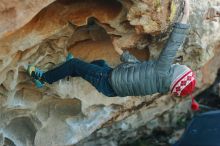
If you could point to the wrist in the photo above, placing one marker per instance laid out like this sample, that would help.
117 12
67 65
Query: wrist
184 19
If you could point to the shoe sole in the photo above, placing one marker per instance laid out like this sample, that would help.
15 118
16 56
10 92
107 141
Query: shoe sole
30 70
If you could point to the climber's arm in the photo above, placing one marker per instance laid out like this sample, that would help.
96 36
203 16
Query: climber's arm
169 52
125 56
176 39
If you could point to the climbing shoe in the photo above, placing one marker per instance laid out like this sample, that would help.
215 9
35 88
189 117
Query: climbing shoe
69 56
36 75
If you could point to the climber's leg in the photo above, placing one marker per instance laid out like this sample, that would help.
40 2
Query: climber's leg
101 63
98 76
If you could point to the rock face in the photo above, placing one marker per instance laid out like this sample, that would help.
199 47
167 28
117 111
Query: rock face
71 111
14 13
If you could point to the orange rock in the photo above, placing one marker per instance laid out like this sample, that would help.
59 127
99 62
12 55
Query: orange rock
14 13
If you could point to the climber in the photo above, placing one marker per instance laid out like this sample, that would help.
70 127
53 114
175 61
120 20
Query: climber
132 77
212 13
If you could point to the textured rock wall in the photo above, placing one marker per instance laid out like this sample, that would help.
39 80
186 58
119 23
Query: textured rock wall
14 13
71 111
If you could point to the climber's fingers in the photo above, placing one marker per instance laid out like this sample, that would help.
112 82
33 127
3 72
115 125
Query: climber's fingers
211 14
117 46
213 19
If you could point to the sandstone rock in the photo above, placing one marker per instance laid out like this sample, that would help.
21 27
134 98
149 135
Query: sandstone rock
21 131
57 108
71 111
176 136
153 16
14 14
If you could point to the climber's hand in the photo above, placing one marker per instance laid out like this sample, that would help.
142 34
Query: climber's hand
212 13
185 12
117 46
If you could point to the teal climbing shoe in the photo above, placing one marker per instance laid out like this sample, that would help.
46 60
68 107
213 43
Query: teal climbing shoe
36 75
38 83
69 56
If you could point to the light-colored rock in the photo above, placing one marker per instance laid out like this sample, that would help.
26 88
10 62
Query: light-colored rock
71 111
153 16
176 136
14 13
21 130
